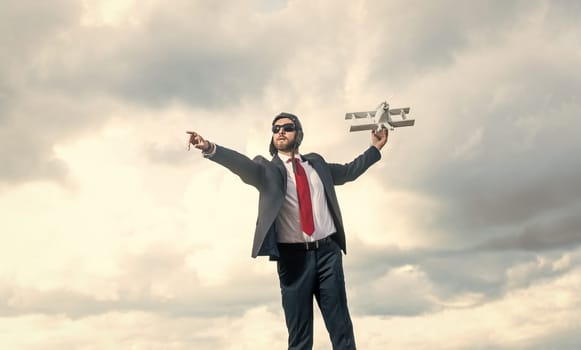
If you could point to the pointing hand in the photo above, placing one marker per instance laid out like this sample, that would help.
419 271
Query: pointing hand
198 141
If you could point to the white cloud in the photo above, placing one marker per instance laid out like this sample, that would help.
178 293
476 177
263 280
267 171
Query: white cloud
510 322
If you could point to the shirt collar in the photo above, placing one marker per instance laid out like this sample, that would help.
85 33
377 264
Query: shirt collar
285 159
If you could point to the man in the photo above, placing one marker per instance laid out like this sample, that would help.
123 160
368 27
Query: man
299 224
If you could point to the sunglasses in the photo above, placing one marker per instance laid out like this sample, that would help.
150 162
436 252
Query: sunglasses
286 127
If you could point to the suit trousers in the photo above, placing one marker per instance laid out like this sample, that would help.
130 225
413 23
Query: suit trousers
319 273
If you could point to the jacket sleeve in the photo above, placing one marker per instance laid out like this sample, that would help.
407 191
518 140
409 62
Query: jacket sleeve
343 173
250 171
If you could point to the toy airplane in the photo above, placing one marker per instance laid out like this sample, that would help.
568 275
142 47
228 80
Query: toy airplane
382 116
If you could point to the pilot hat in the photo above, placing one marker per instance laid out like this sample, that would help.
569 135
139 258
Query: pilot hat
298 128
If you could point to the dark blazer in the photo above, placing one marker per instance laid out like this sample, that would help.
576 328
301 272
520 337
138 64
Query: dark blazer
270 178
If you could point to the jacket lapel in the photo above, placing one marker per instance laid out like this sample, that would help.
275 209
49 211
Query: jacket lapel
323 175
281 168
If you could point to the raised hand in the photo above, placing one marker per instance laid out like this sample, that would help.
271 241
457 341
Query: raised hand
379 138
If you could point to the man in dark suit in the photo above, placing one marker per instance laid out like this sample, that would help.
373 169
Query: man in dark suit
299 224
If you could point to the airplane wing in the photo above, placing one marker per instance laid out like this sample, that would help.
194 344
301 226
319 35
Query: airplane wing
398 111
400 123
359 115
360 127
399 117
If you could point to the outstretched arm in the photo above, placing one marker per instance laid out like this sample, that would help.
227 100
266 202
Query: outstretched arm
249 171
343 173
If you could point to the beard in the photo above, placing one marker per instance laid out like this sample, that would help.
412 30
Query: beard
285 146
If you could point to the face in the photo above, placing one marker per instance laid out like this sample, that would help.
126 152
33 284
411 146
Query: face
283 140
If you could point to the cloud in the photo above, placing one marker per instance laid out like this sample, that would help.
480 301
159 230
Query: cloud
108 223
159 280
501 324
418 40
74 76
506 118
389 281
402 291
26 27
153 331
553 233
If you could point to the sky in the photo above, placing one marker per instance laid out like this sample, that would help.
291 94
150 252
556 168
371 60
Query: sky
465 235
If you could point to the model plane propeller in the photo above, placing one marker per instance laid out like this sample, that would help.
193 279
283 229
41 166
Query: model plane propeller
383 116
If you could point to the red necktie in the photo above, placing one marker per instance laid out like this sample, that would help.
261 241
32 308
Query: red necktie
304 194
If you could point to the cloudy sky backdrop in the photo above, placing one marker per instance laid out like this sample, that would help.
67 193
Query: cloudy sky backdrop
466 235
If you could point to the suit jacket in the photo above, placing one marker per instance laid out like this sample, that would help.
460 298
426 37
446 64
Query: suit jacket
270 178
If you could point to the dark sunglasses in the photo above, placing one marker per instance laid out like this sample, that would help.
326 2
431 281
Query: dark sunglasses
286 127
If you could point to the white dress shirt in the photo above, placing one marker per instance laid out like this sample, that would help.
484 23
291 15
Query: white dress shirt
288 222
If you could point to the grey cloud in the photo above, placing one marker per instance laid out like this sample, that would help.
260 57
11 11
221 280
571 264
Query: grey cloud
33 123
78 305
62 79
18 167
26 29
188 53
448 275
486 274
525 163
553 233
500 196
421 38
31 118
202 54
153 73
26 25
482 274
